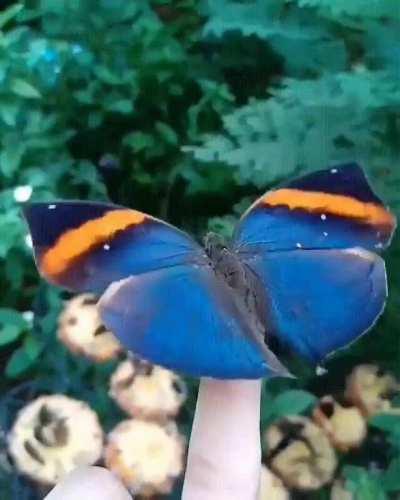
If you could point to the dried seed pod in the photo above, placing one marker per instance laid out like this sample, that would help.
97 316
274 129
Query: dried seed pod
147 391
271 487
345 426
46 442
81 330
372 390
147 456
300 453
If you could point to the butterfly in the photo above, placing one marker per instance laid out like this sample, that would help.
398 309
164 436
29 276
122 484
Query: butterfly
301 268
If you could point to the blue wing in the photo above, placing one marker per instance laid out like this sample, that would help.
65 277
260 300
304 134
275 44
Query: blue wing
333 208
318 301
169 307
183 318
85 246
308 244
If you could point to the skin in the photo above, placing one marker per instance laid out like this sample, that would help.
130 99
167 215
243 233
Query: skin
224 453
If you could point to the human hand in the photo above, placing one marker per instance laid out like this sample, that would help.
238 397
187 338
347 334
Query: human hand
224 459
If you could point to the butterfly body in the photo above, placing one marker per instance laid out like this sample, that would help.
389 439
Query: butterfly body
247 292
301 269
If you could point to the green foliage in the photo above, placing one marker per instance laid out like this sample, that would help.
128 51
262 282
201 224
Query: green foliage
389 424
188 110
372 485
363 485
291 402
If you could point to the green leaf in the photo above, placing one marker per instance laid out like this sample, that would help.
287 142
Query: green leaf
8 334
7 15
32 347
12 317
12 325
95 119
167 133
386 422
104 74
291 402
85 96
24 89
391 478
10 158
123 106
8 112
18 363
362 484
139 141
10 230
14 270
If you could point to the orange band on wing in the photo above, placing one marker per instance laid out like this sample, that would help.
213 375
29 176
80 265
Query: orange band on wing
334 204
75 242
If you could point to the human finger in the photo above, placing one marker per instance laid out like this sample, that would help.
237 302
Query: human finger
224 460
95 483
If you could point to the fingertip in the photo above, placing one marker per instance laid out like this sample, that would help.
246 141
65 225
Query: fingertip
95 483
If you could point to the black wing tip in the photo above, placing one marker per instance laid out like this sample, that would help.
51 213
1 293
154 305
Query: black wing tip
47 220
39 208
347 179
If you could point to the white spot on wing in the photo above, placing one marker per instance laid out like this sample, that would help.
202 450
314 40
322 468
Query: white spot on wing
299 245
325 233
323 216
334 170
378 245
106 246
51 207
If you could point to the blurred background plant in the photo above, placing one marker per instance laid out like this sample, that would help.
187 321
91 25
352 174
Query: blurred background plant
189 109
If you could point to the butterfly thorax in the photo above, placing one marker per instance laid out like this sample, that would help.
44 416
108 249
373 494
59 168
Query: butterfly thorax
229 268
225 262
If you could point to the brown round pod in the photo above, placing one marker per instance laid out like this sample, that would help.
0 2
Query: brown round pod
146 456
82 332
300 453
53 435
372 390
147 391
345 426
271 487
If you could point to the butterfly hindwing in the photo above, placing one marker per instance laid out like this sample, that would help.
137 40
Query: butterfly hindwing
333 208
318 301
85 246
183 318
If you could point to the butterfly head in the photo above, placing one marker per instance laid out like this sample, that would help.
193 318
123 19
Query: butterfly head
215 245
